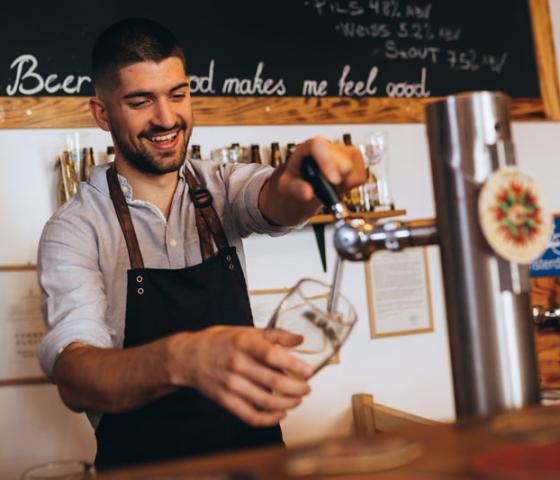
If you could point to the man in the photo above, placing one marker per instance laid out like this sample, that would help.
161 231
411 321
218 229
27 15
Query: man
164 357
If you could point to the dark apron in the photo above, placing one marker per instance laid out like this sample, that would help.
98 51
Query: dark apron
162 302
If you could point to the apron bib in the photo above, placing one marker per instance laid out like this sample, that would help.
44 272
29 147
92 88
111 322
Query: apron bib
162 302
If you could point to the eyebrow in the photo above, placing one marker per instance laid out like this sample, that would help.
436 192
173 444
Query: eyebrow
141 93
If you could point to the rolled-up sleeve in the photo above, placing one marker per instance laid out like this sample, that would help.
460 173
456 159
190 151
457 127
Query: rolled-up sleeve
244 184
73 300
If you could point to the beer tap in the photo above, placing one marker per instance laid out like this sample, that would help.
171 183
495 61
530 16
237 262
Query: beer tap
354 238
484 271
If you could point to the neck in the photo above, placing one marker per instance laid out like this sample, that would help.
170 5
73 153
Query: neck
155 189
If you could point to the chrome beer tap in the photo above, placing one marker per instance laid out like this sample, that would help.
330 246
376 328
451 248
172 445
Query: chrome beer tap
354 238
487 295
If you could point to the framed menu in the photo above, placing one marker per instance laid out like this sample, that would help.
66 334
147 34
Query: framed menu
21 327
398 291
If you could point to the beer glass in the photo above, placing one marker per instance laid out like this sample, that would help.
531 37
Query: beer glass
303 311
61 470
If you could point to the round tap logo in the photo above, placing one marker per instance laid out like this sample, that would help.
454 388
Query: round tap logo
512 217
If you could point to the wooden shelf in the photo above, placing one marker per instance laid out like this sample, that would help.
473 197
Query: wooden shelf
318 219
18 268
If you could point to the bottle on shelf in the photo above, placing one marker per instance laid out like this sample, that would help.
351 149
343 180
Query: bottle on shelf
289 150
195 153
110 154
255 153
275 157
354 199
70 178
88 162
61 190
234 153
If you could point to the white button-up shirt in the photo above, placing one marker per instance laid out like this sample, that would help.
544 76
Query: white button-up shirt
83 259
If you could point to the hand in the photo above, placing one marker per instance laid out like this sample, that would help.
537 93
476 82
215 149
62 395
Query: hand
243 368
342 165
287 199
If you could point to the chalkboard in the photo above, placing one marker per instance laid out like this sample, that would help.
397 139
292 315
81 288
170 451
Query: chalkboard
282 58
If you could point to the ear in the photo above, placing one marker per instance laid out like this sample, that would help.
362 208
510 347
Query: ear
97 108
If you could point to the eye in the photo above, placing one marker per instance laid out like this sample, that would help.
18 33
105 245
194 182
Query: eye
139 103
178 95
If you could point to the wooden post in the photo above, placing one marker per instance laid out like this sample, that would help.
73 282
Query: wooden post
545 55
363 415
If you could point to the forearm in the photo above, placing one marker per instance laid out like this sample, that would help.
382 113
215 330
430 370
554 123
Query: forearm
114 380
282 209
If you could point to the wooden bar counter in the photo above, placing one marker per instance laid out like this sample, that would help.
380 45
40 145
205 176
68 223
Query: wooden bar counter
515 446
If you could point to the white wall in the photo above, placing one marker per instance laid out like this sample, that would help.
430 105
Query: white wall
408 372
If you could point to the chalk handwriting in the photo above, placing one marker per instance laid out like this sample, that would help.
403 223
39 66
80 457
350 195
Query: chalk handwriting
472 61
357 30
313 88
351 88
203 84
254 86
426 53
391 9
351 7
28 82
407 89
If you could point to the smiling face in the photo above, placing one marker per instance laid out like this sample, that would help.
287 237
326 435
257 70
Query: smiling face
149 115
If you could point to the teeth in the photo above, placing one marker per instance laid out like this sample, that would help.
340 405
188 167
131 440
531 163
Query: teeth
164 138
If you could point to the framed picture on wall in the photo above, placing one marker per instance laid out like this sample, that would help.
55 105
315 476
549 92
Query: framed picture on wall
398 293
21 326
263 304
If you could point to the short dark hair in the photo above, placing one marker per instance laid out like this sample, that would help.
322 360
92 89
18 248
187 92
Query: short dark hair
131 41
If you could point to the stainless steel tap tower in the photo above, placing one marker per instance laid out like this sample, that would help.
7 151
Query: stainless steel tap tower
487 297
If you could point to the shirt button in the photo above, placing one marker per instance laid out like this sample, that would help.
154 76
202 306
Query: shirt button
140 291
139 278
231 266
173 243
228 258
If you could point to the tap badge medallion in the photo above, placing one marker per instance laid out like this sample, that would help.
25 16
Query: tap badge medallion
512 216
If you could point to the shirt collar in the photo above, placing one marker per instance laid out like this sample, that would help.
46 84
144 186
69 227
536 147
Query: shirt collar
98 180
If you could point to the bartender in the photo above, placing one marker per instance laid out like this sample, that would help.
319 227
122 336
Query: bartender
142 273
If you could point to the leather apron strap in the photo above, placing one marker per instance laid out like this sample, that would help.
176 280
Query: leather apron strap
123 214
202 200
208 223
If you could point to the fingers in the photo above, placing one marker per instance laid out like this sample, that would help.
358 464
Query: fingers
249 372
256 395
248 412
273 380
319 149
268 354
342 165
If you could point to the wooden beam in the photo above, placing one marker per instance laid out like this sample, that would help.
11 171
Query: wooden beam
73 112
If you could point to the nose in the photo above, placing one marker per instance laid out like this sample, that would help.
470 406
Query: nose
165 116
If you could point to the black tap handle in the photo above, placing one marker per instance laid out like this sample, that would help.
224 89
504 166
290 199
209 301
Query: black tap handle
324 190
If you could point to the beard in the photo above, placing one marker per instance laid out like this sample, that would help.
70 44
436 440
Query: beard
140 158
